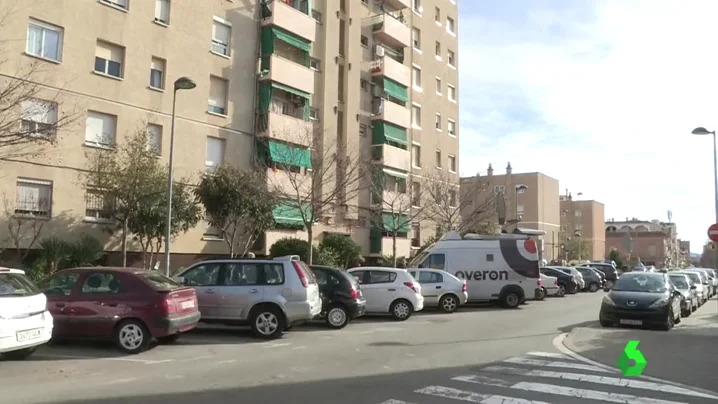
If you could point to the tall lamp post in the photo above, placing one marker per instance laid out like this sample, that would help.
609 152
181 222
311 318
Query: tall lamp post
704 131
182 83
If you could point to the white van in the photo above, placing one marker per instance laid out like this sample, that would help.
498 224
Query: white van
497 268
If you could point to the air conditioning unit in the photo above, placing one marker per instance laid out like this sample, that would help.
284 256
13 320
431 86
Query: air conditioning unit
379 51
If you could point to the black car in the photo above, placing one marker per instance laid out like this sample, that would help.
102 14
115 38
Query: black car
594 278
642 299
566 283
608 270
342 297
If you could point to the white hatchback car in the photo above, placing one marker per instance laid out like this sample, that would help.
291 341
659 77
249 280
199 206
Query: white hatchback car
25 322
389 290
441 289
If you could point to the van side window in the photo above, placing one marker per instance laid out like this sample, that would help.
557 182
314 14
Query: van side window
434 261
489 257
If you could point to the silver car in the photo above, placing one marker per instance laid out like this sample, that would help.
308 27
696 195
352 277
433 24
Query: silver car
441 289
270 295
577 275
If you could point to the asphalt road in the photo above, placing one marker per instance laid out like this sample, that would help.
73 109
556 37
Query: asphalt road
480 355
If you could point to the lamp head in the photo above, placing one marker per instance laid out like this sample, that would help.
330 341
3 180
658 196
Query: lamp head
184 83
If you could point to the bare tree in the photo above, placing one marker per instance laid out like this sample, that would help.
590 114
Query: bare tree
314 176
468 207
31 111
24 224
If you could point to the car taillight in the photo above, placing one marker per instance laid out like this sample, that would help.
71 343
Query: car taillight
463 287
411 286
300 273
169 305
353 294
538 282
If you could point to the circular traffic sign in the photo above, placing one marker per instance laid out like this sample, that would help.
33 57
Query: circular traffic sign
713 232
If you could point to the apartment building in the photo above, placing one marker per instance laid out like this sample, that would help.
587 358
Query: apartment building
259 68
650 241
530 200
583 220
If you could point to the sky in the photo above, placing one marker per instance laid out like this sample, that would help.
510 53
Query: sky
599 94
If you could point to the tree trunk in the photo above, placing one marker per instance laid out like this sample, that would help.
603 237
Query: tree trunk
393 248
310 236
124 243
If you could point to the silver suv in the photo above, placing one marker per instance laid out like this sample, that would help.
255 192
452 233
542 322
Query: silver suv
270 295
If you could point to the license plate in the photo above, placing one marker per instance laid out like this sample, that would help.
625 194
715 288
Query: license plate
631 322
28 335
187 304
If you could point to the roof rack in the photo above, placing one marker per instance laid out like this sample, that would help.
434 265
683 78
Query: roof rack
453 236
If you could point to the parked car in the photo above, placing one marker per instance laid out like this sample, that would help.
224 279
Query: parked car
593 279
642 299
342 297
441 289
683 283
566 282
25 323
577 275
714 278
701 290
270 295
608 270
710 277
497 268
705 280
389 290
128 305
549 287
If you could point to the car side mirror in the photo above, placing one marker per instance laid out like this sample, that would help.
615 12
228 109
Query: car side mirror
181 280
694 287
677 293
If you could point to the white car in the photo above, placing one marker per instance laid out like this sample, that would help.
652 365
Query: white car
389 290
25 322
441 289
549 286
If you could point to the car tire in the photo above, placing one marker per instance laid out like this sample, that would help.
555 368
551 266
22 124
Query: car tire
608 284
267 322
677 319
132 337
542 294
694 307
561 290
593 287
401 309
449 303
686 313
605 324
669 321
168 339
20 354
511 300
337 317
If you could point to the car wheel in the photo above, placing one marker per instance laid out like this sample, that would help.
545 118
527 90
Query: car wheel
668 324
605 324
449 303
20 354
168 339
561 290
132 337
609 285
511 300
686 313
401 310
337 317
694 307
677 320
542 293
593 287
267 322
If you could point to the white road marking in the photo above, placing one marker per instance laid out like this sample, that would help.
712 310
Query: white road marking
470 396
554 355
277 345
583 394
227 362
81 357
297 348
605 380
392 401
118 381
555 364
196 358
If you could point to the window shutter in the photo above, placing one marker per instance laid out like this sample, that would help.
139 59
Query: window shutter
107 51
217 92
39 111
220 32
215 151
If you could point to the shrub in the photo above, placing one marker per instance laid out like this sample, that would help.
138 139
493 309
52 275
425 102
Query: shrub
346 252
290 246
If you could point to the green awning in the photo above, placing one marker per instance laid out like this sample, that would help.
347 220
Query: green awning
386 132
288 214
265 96
395 223
291 90
395 90
396 173
269 34
290 155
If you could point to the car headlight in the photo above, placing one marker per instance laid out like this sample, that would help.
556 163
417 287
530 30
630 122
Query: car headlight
607 300
660 302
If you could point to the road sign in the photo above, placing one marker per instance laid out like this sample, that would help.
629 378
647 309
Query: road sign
713 232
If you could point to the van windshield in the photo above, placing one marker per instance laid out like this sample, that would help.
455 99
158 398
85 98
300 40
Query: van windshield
418 259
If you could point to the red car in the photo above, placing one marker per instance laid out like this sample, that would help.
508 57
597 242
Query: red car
128 305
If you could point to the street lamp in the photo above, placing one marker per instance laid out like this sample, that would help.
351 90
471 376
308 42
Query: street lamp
704 131
520 189
182 83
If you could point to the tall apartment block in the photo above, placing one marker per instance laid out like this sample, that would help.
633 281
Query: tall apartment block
371 74
584 219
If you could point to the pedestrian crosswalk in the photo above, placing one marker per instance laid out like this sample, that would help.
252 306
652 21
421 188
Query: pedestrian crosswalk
546 378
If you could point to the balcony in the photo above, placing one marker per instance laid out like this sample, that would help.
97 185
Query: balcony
290 18
386 66
288 124
396 114
397 4
391 156
403 246
390 31
289 183
392 200
290 74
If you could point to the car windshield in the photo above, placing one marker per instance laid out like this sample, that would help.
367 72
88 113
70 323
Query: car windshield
159 281
641 283
679 282
694 277
14 285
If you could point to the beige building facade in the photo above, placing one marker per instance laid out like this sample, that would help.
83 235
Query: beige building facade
375 76
584 219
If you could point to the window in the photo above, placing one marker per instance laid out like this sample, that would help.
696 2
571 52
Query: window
210 232
416 39
44 40
315 64
101 284
39 118
202 275
416 70
434 261
381 277
217 95
437 122
317 16
362 130
452 163
416 6
314 114
437 50
438 86
577 213
451 92
241 274
416 116
437 15
157 73
452 198
215 154
415 235
162 11
438 159
100 129
60 284
109 59
416 155
98 206
499 188
489 257
519 210
221 34
364 41
451 127
450 25
450 58
154 139
123 4
415 194
430 277
33 198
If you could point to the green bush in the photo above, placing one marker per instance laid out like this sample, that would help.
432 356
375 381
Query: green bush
345 251
291 246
